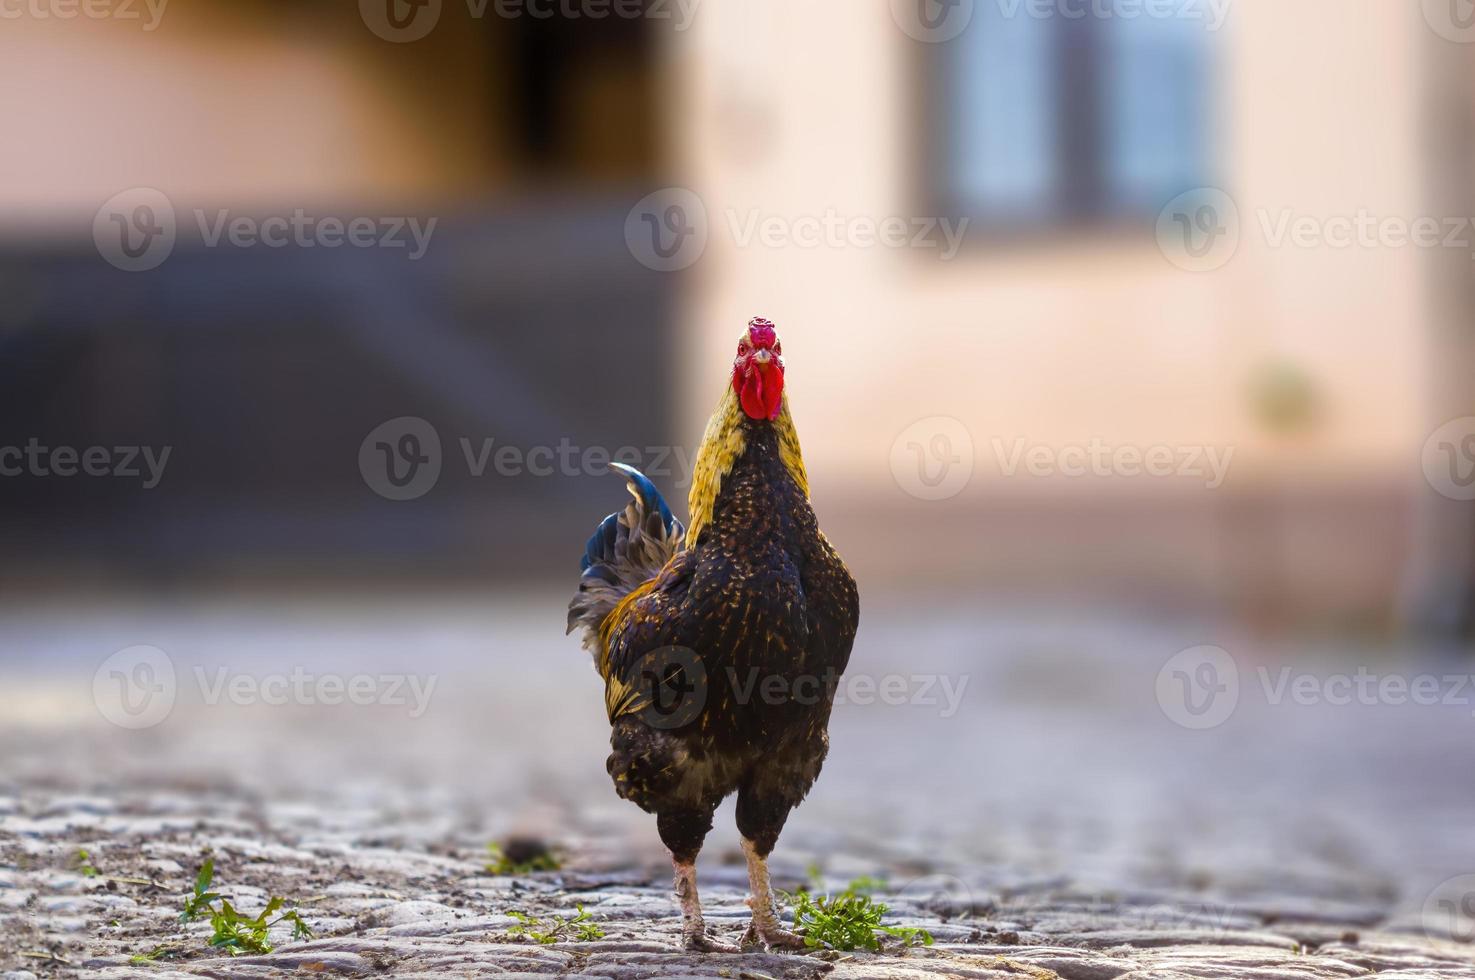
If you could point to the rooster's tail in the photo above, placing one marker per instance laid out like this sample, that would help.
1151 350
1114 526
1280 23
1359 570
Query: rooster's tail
629 548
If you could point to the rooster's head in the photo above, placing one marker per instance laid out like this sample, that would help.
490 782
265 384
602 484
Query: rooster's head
758 370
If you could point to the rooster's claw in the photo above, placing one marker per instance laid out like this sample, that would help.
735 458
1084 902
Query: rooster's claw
772 939
700 942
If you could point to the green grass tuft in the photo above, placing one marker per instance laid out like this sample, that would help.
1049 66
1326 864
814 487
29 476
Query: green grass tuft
525 859
849 920
231 930
579 928
84 864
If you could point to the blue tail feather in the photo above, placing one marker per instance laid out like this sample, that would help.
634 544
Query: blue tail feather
629 547
648 493
602 543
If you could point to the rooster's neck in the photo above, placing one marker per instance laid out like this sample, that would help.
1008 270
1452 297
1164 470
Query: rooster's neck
722 446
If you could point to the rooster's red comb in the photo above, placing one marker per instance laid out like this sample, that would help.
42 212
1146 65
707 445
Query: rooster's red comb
762 333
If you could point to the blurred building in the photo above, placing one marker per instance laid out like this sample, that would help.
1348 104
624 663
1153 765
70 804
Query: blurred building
1060 320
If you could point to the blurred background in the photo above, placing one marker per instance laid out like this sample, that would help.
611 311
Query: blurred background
1110 332
1049 146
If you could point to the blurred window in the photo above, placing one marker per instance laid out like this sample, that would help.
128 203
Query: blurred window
1056 121
582 97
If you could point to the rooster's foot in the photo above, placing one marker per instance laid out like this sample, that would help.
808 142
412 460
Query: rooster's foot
764 927
700 942
774 937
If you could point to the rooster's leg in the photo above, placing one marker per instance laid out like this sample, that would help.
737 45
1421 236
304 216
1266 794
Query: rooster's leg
682 830
765 927
693 927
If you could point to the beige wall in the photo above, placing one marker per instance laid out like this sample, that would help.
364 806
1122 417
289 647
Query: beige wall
1067 341
227 106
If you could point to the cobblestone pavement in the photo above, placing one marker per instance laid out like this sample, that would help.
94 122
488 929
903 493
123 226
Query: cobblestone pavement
1056 824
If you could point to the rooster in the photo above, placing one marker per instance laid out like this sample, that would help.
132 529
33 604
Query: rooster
721 643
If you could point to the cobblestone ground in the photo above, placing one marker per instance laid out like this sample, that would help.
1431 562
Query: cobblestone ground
1055 824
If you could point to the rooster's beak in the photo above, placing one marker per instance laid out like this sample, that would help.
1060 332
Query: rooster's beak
762 357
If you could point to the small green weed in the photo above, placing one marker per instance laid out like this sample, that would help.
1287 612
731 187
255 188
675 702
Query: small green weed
580 928
84 864
165 952
520 857
849 920
231 930
865 885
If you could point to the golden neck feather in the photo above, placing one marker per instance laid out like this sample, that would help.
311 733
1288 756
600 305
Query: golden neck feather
722 445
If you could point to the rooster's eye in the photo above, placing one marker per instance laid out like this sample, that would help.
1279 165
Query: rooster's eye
778 348
743 348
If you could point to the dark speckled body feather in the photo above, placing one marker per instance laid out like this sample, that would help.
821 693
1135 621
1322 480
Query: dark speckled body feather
769 612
